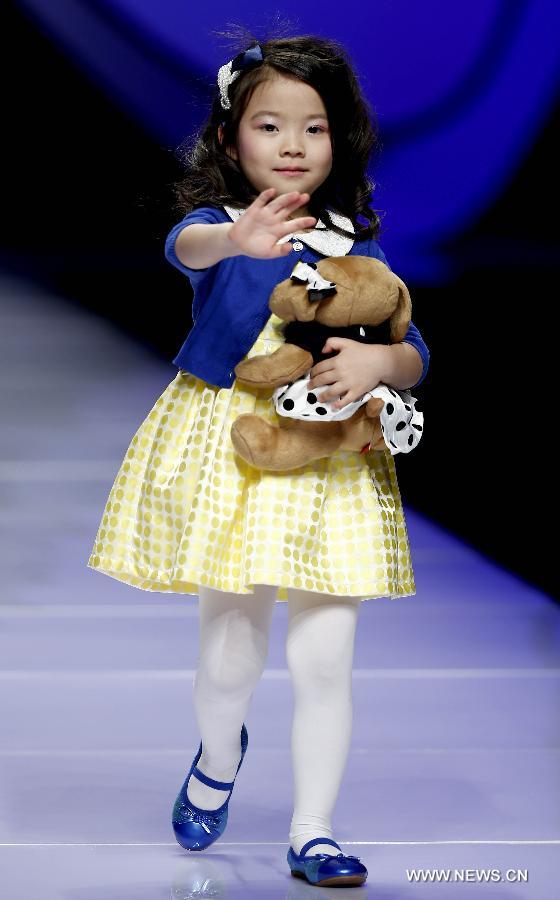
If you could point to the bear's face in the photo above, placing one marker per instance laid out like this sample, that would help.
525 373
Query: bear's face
291 299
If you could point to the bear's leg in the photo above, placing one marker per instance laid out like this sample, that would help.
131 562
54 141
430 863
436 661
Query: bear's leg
297 443
288 363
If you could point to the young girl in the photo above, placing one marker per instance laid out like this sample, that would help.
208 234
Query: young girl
277 176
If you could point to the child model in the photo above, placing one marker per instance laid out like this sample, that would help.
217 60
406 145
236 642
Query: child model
277 176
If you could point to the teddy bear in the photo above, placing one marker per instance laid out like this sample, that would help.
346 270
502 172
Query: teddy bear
357 297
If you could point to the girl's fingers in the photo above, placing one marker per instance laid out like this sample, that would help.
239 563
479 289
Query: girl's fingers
293 225
264 197
280 250
280 206
293 198
283 250
300 224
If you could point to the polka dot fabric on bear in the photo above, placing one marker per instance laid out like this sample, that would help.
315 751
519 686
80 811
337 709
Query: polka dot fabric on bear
186 510
401 423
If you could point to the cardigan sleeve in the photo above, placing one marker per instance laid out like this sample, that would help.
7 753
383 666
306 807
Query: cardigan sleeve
206 215
413 335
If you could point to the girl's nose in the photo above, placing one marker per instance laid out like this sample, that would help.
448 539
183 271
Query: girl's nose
292 145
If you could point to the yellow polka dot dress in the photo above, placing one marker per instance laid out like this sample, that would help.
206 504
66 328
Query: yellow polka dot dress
186 510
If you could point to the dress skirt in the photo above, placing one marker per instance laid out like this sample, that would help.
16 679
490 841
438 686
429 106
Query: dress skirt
186 510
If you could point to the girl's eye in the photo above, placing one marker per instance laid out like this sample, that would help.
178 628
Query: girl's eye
270 125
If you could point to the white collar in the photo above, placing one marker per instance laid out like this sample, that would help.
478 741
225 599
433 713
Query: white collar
323 239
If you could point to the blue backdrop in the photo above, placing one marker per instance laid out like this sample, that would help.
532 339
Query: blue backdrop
461 91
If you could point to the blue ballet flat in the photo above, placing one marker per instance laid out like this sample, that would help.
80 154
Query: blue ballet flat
323 870
195 828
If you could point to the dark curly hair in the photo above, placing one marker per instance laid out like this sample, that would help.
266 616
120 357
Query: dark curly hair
214 178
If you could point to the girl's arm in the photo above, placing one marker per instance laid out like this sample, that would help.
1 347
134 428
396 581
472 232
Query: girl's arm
199 246
403 366
413 340
358 367
256 233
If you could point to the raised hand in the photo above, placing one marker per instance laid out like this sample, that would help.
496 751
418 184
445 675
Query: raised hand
257 231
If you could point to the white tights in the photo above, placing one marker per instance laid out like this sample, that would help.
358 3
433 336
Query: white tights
233 647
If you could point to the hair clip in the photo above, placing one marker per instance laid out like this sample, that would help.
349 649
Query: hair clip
227 73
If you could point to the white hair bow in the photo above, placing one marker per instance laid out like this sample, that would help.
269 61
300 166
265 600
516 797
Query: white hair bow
227 73
317 286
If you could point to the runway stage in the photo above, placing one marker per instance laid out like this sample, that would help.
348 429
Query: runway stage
455 754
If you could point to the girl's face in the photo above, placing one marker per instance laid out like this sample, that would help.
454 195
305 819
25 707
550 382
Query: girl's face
284 127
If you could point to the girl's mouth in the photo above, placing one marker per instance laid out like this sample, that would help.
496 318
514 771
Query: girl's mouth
290 172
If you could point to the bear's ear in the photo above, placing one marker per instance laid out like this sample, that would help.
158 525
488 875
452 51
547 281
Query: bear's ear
400 320
331 269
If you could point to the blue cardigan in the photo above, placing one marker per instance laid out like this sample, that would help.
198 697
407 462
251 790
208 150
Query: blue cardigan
230 304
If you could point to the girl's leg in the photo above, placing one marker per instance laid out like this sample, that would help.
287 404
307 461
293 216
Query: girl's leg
233 646
319 654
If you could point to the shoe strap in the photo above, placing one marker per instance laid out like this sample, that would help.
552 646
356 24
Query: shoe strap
315 841
211 782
